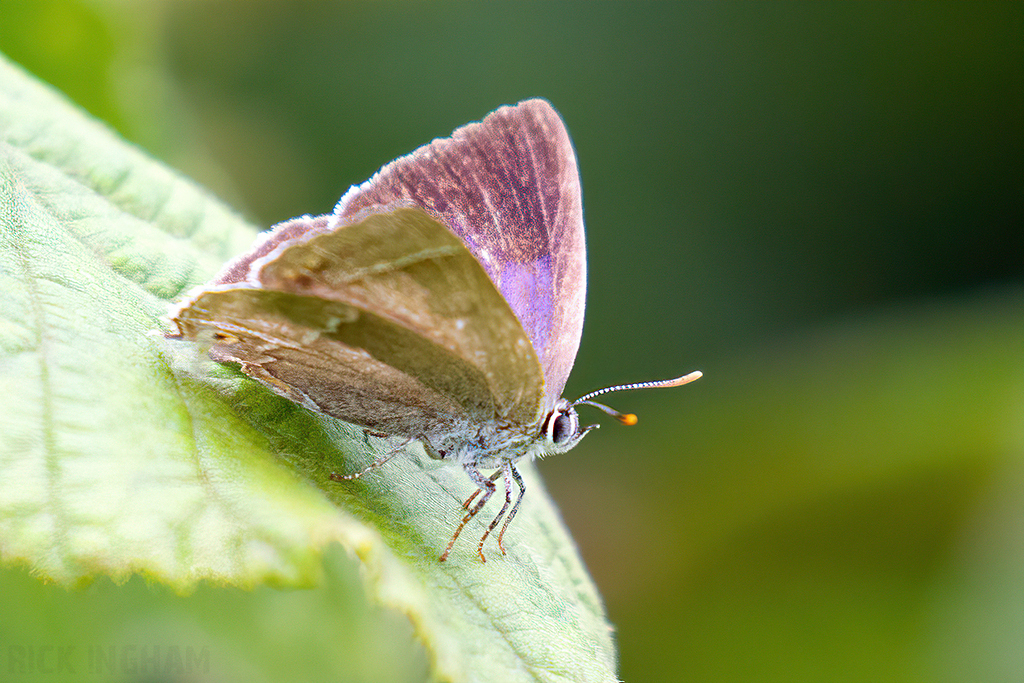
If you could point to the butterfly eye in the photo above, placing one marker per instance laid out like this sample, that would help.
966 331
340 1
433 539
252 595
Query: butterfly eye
563 427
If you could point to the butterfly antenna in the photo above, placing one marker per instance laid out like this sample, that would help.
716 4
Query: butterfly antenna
629 419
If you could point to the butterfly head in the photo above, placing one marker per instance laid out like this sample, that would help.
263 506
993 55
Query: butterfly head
562 429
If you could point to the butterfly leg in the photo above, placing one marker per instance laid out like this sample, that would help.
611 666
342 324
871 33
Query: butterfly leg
373 465
515 508
493 477
505 470
367 433
486 485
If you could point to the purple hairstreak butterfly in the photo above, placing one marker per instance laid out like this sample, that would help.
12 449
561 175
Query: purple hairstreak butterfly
441 302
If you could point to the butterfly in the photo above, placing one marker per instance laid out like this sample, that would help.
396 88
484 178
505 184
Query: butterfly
441 302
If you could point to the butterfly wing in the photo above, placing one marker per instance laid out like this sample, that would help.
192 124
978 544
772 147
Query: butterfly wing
387 321
509 188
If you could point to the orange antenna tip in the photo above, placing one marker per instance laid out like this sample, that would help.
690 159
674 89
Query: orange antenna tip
629 419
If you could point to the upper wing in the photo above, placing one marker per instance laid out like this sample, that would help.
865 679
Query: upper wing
509 188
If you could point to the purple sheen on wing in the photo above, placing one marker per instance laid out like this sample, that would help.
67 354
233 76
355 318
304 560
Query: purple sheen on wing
508 187
521 279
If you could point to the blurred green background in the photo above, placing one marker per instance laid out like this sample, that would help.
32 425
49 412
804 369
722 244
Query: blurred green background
821 206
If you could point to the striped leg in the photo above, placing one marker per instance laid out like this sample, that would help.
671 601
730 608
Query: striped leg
493 477
515 508
373 465
486 485
505 470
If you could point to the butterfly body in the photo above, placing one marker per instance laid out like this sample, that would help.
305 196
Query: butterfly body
441 302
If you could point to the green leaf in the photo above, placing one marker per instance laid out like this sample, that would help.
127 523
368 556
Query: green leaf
124 453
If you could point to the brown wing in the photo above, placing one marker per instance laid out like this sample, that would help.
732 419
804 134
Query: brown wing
387 322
